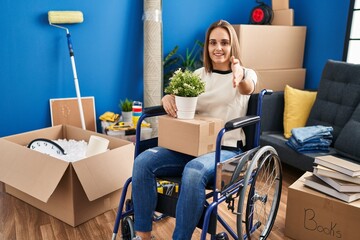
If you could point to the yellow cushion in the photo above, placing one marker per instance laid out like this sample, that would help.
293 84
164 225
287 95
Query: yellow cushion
297 106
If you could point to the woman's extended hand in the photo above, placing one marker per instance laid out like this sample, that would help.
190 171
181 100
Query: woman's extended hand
168 102
237 70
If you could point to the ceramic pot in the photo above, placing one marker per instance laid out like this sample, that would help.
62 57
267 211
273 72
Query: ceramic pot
127 117
186 107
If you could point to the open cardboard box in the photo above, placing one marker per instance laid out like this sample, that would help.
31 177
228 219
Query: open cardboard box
193 137
313 215
72 192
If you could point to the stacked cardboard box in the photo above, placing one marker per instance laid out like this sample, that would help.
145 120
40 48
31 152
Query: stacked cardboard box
276 51
283 15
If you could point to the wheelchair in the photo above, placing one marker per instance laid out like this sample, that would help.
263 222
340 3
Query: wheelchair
249 183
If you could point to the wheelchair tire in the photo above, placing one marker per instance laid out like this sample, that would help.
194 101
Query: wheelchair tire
127 228
260 194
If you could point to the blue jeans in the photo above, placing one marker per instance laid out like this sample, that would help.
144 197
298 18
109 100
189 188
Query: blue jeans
304 134
196 174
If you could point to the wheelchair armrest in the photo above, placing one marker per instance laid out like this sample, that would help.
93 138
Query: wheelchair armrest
154 111
241 122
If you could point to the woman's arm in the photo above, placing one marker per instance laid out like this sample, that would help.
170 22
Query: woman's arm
244 81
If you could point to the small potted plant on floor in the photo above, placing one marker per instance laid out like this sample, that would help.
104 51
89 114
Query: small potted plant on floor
126 110
186 86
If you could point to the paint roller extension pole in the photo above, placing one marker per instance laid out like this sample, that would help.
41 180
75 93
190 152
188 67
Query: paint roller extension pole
69 17
76 81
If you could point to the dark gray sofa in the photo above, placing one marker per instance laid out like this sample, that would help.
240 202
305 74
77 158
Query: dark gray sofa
336 105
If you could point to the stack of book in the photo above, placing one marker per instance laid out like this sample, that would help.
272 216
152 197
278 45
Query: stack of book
336 177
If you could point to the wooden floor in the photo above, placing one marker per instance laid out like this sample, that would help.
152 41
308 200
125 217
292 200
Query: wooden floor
21 221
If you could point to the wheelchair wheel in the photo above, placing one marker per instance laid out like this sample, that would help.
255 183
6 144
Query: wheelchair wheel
127 228
260 195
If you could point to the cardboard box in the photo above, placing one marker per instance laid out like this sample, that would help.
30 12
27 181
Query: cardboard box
72 192
276 80
279 4
313 215
194 137
271 47
283 17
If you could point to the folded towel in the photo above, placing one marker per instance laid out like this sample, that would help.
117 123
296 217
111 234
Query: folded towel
309 133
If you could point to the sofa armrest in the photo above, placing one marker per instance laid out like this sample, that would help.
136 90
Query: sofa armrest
273 113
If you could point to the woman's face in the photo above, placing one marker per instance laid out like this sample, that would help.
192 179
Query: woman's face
220 49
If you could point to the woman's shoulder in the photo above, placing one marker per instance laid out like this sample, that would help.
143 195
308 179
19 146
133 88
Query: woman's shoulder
200 70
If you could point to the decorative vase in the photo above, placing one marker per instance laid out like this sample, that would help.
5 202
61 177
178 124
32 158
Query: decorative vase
127 117
186 107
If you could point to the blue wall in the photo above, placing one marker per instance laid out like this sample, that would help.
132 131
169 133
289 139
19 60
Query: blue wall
108 45
326 29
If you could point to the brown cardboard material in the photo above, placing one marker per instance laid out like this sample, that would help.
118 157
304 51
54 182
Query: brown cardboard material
271 47
72 192
279 4
283 17
313 215
66 111
194 137
276 80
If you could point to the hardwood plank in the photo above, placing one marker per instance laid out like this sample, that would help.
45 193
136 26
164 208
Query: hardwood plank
19 220
47 232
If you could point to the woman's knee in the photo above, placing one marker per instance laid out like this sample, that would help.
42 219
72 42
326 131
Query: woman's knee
143 164
193 174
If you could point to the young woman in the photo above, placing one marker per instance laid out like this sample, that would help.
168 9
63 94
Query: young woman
227 91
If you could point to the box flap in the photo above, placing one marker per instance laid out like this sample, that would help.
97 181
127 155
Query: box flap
29 171
25 138
104 173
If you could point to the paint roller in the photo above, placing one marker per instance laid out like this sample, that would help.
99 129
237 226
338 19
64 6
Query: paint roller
69 17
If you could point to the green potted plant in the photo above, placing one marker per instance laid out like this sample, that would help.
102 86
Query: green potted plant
191 60
126 110
186 86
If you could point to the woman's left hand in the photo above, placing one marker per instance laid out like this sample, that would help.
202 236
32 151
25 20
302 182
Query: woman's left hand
168 102
237 70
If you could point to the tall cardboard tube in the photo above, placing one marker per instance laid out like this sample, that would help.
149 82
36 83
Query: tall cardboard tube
152 53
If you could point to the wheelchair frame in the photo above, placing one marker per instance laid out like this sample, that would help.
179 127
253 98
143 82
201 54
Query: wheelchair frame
257 161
